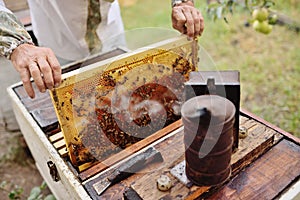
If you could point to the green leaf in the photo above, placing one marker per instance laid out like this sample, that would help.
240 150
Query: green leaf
15 193
43 185
3 184
254 3
268 3
34 193
12 195
214 5
50 197
19 190
226 21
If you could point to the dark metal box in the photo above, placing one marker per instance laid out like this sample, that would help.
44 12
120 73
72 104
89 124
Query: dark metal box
223 83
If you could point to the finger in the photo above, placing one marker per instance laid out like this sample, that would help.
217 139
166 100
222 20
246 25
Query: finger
25 77
201 23
46 71
56 69
197 23
189 23
179 20
37 76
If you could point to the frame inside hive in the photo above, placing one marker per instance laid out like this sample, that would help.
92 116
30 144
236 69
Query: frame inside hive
85 93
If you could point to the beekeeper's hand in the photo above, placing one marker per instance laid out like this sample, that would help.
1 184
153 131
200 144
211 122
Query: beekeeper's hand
40 63
187 19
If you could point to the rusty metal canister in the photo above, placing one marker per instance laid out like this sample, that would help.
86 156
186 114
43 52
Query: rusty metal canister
208 138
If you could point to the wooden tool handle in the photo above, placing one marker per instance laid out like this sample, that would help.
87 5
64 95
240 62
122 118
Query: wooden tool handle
136 163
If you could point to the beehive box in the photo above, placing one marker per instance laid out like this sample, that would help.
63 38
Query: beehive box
151 68
260 166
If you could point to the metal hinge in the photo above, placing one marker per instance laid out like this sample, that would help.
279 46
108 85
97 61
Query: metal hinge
53 171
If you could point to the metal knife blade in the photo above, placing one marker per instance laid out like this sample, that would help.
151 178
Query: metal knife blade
133 165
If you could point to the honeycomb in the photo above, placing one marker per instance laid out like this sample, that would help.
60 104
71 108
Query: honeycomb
114 104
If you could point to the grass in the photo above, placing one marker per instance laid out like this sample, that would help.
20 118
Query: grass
269 65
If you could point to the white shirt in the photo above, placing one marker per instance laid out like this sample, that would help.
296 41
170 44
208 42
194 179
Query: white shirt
61 25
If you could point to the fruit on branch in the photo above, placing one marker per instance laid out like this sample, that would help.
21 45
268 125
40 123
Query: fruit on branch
262 27
260 14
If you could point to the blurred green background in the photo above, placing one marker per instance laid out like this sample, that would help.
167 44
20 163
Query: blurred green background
269 65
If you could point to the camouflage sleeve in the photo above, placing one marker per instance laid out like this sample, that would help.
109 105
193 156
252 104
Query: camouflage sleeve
12 34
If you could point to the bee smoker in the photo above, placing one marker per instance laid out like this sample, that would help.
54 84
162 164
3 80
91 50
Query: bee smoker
208 138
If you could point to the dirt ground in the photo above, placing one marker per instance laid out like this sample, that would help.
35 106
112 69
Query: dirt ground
17 167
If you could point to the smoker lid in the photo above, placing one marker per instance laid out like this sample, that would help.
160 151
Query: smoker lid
219 108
